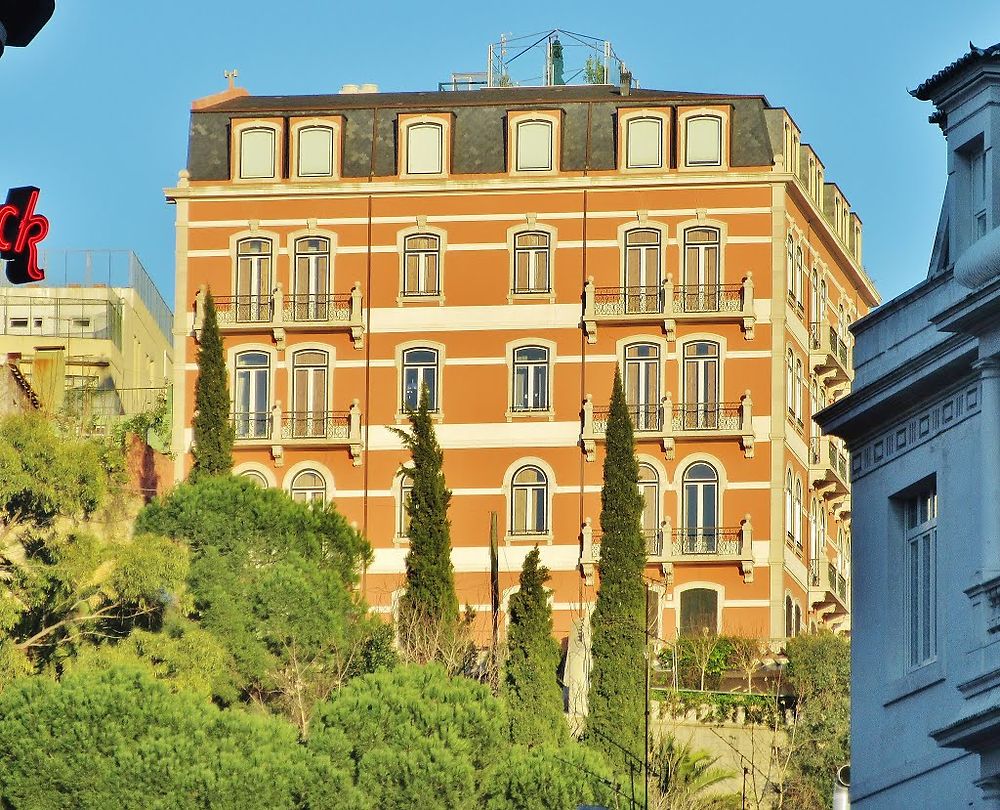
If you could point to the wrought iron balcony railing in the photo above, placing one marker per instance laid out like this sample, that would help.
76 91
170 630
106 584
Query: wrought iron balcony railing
619 301
707 541
244 309
829 354
316 307
707 416
251 425
339 428
316 425
708 298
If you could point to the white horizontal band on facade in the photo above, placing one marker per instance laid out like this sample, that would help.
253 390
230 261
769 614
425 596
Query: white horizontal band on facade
686 213
467 318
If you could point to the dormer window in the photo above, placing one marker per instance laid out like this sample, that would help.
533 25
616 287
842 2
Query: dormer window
534 146
644 143
315 151
703 141
424 149
977 176
257 153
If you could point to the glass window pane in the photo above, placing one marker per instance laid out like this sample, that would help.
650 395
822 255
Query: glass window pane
315 152
704 141
645 143
423 149
257 153
534 146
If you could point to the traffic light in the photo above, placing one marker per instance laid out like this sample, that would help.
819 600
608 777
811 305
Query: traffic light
20 20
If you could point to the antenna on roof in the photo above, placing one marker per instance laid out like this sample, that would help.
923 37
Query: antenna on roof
231 75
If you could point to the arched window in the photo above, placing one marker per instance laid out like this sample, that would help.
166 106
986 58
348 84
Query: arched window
315 151
701 292
649 488
797 621
644 143
789 508
797 516
814 295
309 486
700 408
790 382
420 368
699 612
424 149
531 262
790 266
529 502
642 385
703 140
798 276
252 399
642 271
799 385
534 146
309 415
256 476
789 617
700 487
531 379
310 298
405 501
257 153
421 263
253 281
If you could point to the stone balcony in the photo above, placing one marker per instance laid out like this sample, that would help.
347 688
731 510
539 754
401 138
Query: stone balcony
668 546
670 422
306 312
829 355
829 590
667 303
277 429
829 469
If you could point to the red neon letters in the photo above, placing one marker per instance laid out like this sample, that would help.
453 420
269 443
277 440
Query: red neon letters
21 229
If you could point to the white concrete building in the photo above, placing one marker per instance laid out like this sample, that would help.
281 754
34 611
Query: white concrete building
923 427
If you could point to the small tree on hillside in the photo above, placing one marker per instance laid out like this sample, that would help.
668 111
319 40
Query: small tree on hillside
430 603
213 432
617 702
533 694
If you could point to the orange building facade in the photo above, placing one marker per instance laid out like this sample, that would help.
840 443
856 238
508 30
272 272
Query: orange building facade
507 248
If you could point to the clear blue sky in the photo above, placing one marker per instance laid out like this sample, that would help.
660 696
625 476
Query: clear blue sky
95 111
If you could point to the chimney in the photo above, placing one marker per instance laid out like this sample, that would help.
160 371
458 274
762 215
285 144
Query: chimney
368 88
626 81
349 89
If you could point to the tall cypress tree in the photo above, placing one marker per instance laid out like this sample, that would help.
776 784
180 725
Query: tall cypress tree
213 432
615 724
533 694
430 601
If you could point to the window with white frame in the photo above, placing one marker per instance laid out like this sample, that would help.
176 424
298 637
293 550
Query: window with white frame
309 417
315 151
531 379
649 489
420 370
533 146
531 262
529 502
424 148
799 382
256 476
644 143
797 514
920 523
309 486
798 276
790 266
699 613
252 399
643 289
253 282
790 382
405 503
421 265
257 153
703 140
789 506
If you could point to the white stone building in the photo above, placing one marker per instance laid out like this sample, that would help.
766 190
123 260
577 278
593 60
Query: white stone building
923 427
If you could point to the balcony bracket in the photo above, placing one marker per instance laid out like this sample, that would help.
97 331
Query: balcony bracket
669 448
667 569
747 440
746 569
355 449
279 337
748 324
670 328
278 454
590 330
358 336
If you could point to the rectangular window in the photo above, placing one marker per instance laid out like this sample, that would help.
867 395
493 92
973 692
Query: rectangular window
644 143
421 256
703 138
531 263
977 166
315 152
534 146
424 149
257 153
920 522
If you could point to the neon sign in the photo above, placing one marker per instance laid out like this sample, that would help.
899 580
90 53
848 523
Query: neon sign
21 229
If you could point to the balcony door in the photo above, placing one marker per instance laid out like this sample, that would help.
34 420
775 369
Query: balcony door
701 386
701 270
252 403
642 271
311 282
649 489
701 508
309 394
642 385
253 280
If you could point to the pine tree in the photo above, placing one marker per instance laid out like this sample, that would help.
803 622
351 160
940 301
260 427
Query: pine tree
429 608
616 703
533 694
213 432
